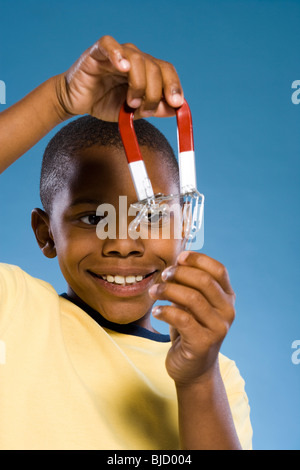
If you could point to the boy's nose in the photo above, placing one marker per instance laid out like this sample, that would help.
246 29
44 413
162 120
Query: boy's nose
123 248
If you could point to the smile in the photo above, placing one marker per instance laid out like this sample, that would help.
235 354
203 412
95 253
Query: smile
122 280
124 286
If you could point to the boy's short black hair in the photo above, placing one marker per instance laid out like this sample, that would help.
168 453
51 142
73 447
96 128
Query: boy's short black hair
86 132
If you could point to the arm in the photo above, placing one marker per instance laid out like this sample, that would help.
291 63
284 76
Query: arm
200 316
205 419
98 83
26 122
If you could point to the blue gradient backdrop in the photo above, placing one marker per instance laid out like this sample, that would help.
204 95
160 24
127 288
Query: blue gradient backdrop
237 61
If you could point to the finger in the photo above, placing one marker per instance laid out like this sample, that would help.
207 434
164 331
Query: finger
188 328
202 281
192 301
108 48
137 78
172 88
171 94
153 92
213 267
162 110
173 334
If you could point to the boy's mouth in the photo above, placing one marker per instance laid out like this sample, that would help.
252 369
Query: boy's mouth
125 286
122 280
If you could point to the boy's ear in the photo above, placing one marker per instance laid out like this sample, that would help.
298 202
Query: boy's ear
41 226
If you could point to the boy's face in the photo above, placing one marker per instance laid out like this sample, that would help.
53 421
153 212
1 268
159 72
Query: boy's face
100 175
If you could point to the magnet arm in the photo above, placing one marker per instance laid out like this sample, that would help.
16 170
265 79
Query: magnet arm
135 160
186 152
142 184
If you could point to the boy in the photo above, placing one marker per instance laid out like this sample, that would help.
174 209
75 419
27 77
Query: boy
86 370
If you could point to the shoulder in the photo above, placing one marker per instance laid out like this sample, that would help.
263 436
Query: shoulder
19 290
9 275
13 278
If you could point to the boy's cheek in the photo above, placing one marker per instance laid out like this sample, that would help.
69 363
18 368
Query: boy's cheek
168 250
72 242
79 249
72 256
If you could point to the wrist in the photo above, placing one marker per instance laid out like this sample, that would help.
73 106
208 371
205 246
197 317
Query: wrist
60 94
208 379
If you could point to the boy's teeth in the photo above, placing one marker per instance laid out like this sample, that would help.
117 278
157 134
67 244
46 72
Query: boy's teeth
122 279
119 279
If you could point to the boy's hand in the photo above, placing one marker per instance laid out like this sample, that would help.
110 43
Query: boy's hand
108 73
200 316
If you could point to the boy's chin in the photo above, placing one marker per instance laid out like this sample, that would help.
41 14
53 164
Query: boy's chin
124 311
119 310
126 315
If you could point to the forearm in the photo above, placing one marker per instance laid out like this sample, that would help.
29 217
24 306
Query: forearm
205 420
29 120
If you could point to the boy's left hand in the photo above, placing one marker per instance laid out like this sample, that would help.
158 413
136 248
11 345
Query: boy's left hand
200 316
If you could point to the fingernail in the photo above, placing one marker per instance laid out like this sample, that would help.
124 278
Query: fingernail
124 64
167 274
135 102
154 289
183 256
156 311
176 98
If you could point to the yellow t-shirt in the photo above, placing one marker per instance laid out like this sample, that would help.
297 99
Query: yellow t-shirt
68 383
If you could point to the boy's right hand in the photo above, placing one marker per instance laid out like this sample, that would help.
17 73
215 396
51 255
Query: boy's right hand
108 73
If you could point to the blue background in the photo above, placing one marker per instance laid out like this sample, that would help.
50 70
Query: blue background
237 61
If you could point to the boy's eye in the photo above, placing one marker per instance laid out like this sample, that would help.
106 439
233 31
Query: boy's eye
155 218
91 219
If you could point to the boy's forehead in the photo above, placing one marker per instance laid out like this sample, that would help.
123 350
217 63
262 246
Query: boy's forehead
103 169
100 166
